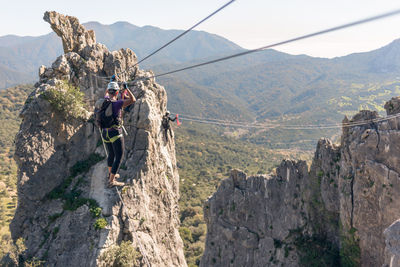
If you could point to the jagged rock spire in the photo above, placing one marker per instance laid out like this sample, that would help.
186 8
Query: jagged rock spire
74 35
348 198
57 197
392 106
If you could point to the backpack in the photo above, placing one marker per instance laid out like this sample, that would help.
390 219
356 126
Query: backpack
103 114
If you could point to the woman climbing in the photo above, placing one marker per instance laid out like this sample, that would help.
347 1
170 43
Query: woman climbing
112 129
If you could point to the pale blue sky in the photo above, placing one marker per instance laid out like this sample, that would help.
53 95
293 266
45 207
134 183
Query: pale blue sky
249 23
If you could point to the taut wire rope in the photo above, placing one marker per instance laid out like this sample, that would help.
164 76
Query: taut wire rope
336 28
174 39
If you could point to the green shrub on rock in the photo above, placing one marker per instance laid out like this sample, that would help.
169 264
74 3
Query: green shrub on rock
123 255
186 234
350 253
66 98
95 211
100 223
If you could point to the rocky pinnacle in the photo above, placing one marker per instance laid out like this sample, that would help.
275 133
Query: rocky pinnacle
338 210
73 35
66 214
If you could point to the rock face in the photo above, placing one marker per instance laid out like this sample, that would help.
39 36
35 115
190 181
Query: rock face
336 213
369 188
249 216
393 106
66 214
266 220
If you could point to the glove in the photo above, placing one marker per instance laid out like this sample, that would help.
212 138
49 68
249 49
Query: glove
113 78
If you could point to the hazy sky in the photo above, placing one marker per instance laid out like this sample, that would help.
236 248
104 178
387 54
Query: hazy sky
249 23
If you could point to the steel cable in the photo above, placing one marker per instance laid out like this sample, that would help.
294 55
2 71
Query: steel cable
173 40
336 28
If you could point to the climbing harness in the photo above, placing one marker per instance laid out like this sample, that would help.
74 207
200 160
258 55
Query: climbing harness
104 145
123 128
134 231
110 139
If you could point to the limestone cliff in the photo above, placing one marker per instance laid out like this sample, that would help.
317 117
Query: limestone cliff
335 213
248 217
66 214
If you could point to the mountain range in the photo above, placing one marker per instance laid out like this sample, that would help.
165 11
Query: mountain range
270 85
23 55
266 86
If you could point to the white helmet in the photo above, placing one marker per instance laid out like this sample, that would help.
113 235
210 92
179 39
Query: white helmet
113 86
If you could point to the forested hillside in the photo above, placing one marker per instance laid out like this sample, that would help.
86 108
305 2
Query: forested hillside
11 102
267 86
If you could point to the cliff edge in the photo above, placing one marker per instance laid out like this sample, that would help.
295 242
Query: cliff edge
334 214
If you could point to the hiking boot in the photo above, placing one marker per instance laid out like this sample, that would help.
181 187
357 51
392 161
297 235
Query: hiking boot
113 183
116 183
110 184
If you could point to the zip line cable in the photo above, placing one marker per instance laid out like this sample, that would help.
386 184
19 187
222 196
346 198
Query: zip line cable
340 27
336 28
278 125
176 38
185 32
282 126
294 127
200 118
188 117
290 127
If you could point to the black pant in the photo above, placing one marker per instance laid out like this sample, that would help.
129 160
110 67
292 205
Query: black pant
166 132
115 151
